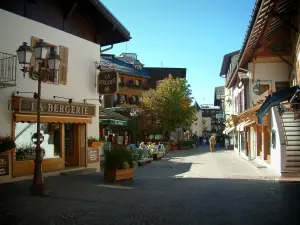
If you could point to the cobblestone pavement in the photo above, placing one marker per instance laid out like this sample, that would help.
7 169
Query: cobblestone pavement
187 187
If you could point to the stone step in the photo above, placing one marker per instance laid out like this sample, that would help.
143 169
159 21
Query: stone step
79 171
292 164
293 142
293 158
292 147
293 123
293 133
289 119
293 152
292 138
291 128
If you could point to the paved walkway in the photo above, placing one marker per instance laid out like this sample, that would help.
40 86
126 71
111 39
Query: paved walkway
188 187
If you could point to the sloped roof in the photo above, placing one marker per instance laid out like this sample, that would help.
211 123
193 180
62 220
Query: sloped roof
197 106
227 60
121 67
110 114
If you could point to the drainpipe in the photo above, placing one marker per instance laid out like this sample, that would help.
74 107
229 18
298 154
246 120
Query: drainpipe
104 50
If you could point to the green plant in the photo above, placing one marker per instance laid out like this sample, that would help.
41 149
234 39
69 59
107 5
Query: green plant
95 139
6 143
24 151
121 84
118 158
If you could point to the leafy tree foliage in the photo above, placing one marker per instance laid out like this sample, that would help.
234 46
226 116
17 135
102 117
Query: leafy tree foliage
169 106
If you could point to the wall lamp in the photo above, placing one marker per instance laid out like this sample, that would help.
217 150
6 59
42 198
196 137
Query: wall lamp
70 100
92 99
35 95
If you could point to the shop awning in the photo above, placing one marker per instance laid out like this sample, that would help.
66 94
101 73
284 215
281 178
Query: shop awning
240 126
113 122
275 99
228 130
51 119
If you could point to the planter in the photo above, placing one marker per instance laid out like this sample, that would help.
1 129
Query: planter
7 145
31 156
94 144
185 148
116 175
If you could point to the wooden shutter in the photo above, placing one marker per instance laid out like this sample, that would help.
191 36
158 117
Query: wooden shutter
34 40
63 70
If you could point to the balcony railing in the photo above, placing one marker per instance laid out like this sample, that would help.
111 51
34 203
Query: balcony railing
8 70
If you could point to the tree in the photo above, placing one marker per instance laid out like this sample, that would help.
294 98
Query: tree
169 106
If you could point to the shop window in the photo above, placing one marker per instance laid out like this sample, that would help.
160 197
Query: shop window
25 148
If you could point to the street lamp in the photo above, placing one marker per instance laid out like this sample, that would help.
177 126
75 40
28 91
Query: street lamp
24 54
133 114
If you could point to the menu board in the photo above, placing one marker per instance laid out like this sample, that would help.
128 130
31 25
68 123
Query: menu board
93 155
4 165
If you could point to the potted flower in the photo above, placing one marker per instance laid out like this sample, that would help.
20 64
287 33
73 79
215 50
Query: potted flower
6 143
27 152
118 165
94 142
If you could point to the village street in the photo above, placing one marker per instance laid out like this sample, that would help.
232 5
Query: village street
186 187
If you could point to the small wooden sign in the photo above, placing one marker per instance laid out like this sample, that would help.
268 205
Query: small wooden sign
107 82
4 165
93 155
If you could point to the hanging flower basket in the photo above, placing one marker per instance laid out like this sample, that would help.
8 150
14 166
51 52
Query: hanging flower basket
6 143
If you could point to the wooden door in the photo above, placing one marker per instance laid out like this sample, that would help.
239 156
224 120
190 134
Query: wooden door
266 144
71 144
258 142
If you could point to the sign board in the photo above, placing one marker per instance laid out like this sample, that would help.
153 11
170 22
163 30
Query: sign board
93 155
4 165
28 105
113 122
220 116
107 82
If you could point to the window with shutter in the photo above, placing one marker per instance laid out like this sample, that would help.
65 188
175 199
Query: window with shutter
59 77
63 70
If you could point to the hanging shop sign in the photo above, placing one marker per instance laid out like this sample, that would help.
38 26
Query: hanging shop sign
93 155
107 82
27 105
4 165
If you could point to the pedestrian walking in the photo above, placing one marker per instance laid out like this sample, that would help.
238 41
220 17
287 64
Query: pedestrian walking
196 140
212 142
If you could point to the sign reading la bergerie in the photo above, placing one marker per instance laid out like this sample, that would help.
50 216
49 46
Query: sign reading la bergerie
58 108
107 82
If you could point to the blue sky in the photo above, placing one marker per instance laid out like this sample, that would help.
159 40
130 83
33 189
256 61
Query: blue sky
192 34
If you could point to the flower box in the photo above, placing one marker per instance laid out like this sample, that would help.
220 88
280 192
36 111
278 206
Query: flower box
7 145
94 144
116 175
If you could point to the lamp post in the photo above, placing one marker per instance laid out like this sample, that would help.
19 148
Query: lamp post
134 114
24 54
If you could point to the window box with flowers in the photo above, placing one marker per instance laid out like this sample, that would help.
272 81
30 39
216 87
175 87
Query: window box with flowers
94 142
6 143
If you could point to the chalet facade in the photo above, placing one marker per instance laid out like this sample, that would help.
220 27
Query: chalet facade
264 83
77 31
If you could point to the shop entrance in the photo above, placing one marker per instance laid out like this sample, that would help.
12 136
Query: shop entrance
71 144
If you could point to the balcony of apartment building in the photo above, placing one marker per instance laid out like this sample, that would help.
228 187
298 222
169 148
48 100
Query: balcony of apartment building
8 68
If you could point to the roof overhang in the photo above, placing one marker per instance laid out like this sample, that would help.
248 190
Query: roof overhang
111 30
269 27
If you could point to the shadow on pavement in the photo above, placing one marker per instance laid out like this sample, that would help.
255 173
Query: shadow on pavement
80 200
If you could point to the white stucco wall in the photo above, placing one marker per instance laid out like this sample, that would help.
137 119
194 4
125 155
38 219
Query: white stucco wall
268 73
81 67
277 153
206 125
197 125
